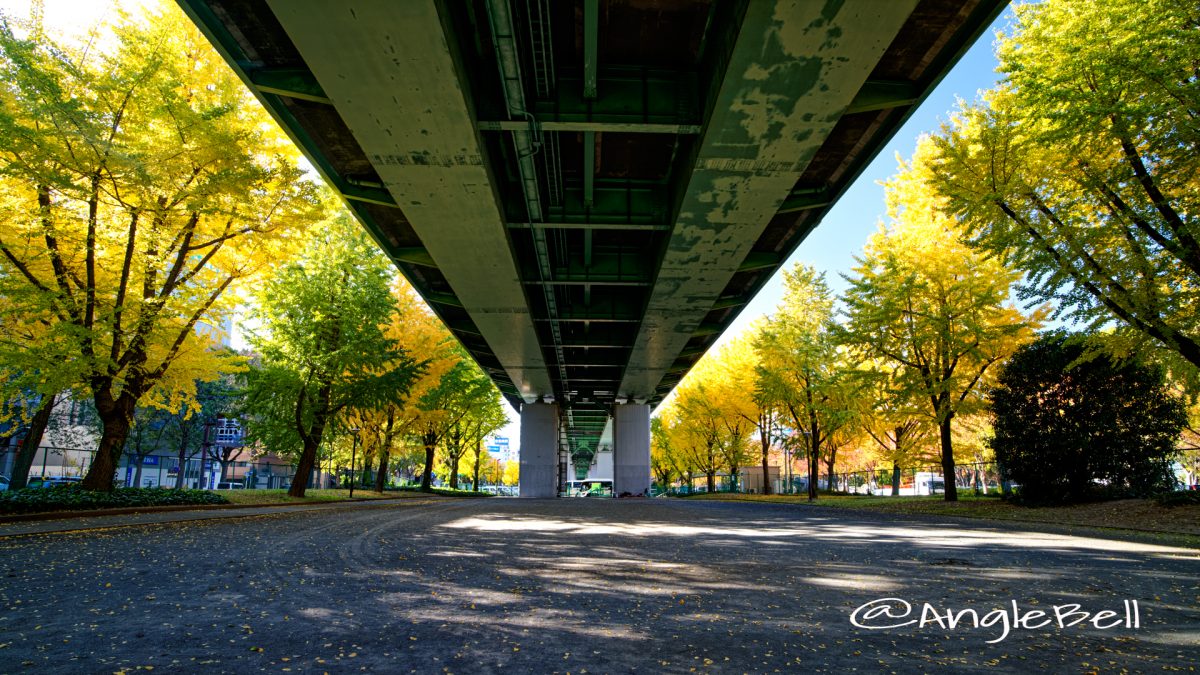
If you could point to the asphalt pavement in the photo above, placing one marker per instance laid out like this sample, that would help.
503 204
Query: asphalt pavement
582 585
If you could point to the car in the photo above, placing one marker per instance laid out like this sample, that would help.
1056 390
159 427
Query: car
52 481
3 483
231 486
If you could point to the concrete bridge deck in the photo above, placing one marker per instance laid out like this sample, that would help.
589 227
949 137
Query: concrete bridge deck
589 191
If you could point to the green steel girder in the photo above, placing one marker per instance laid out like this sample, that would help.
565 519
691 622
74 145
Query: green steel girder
365 193
605 266
414 255
447 299
883 94
589 380
463 326
606 336
613 124
626 96
608 268
291 82
591 412
603 359
731 301
590 280
634 204
589 168
591 29
585 225
757 261
805 198
591 316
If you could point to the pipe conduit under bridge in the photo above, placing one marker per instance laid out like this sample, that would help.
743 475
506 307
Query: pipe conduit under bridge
587 192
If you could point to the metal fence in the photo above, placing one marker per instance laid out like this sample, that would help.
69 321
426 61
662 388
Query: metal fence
238 472
978 477
198 472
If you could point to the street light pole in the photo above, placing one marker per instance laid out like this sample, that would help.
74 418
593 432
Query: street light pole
353 452
205 444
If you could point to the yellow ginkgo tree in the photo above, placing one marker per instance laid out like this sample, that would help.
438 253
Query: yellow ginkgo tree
936 310
140 187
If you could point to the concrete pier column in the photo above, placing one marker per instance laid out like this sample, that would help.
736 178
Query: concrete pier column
631 449
539 450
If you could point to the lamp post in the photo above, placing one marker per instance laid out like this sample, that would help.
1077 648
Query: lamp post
353 453
205 445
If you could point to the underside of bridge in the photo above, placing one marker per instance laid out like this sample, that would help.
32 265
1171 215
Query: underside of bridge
588 191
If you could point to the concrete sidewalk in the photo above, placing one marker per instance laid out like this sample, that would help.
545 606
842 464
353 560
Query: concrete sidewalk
83 520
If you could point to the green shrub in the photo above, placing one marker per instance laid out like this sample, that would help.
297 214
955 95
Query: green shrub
439 491
75 498
1073 425
1179 498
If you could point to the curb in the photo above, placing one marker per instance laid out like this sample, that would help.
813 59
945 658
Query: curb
132 510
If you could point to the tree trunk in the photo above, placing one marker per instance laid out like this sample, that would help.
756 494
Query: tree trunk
814 474
454 472
184 435
427 476
381 477
814 448
312 440
308 460
116 418
764 442
948 460
829 467
895 478
29 445
137 471
475 476
385 451
712 481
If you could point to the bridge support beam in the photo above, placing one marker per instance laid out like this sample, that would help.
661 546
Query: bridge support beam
631 449
539 450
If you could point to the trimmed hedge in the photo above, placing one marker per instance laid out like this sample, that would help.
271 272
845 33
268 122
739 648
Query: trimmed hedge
75 498
445 492
1179 498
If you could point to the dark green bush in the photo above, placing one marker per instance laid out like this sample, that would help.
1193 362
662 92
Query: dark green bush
438 491
75 498
1073 426
1179 498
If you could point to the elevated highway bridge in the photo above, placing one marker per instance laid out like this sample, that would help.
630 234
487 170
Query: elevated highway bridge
588 191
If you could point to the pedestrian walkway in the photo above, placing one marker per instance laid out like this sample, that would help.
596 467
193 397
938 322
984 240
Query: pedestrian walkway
607 586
